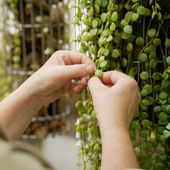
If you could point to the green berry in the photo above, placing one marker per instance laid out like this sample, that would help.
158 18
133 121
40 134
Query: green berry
99 73
129 47
168 60
163 117
145 123
143 57
123 22
163 95
151 32
104 17
135 17
113 27
144 75
157 41
128 29
140 41
114 16
116 53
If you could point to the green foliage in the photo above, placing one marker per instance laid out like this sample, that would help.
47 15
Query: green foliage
131 36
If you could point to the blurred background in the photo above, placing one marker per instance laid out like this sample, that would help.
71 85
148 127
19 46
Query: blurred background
30 31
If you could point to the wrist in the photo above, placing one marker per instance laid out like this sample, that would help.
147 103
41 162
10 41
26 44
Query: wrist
111 130
26 95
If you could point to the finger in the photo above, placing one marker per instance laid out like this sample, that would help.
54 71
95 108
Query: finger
85 80
112 77
75 57
75 71
95 85
78 88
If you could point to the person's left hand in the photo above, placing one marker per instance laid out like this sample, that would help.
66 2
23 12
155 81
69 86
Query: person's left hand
56 77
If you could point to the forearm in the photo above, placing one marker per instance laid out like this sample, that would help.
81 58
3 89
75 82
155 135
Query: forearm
117 150
16 112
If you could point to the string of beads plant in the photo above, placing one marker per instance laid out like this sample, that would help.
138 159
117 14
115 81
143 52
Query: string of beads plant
131 36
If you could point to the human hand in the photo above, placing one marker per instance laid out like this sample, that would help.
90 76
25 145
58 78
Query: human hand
116 98
54 79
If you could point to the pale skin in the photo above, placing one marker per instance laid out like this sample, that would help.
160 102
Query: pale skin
54 80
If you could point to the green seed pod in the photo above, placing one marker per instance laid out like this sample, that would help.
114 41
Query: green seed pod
99 73
17 41
104 17
135 17
147 101
16 59
17 51
157 109
167 43
123 22
168 108
143 57
114 16
134 124
140 41
163 107
144 75
148 87
128 29
109 16
152 55
106 33
94 31
116 53
101 59
157 41
168 60
104 3
129 47
124 62
146 123
97 8
113 27
151 32
128 16
90 12
125 36
98 2
144 115
141 10
157 76
163 117
87 21
144 93
103 64
97 148
153 63
163 95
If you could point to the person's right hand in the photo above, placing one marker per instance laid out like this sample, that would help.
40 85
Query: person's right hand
116 98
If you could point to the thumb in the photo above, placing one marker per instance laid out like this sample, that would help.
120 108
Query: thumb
76 71
95 85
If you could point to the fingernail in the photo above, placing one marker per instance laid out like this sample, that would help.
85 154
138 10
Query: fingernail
89 68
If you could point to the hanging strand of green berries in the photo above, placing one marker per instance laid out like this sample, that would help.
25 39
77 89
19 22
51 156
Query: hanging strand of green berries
129 36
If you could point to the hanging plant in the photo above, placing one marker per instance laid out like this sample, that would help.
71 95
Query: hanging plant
131 36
